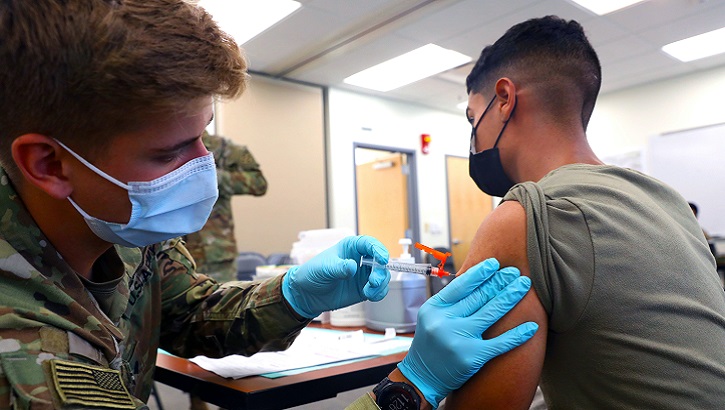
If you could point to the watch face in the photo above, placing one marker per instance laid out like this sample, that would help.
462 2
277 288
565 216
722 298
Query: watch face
396 397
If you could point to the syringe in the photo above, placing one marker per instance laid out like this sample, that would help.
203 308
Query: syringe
419 268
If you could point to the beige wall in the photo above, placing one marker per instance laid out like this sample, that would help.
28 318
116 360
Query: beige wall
282 124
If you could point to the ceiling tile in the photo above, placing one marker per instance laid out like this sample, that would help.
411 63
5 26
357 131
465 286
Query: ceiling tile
600 30
685 27
657 13
290 39
459 17
622 49
338 66
328 40
352 9
643 78
644 64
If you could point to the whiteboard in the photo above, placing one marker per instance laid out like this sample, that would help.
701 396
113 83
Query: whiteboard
693 162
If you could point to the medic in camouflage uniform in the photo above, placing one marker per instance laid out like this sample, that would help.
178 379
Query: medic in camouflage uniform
103 104
49 313
214 247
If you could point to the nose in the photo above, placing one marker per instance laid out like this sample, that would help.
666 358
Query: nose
199 149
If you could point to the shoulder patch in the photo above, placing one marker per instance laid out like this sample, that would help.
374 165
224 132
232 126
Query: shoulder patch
89 386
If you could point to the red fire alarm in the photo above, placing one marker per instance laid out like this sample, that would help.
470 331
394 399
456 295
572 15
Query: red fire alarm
424 142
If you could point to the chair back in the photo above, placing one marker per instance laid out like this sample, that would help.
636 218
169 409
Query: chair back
247 263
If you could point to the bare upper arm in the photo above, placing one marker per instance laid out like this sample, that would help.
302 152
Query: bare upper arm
508 381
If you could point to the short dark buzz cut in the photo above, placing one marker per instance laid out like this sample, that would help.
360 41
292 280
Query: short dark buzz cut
549 53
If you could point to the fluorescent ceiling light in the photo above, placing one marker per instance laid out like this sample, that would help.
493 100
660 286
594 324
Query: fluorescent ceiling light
700 46
407 68
244 19
603 7
462 105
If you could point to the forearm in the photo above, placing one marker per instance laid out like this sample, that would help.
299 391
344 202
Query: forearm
238 318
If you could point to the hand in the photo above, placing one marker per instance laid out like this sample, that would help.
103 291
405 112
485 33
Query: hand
448 347
334 278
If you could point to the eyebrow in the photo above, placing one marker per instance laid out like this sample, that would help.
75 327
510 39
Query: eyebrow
178 146
184 143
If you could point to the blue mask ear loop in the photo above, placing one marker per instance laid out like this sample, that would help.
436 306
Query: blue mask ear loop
506 123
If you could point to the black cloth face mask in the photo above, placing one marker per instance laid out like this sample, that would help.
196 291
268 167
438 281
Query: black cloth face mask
485 167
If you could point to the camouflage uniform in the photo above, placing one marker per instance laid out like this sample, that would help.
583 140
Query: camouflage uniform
214 248
56 332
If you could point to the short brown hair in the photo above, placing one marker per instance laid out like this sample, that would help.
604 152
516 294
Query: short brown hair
86 70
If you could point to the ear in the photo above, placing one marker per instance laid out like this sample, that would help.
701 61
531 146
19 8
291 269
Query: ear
505 97
39 158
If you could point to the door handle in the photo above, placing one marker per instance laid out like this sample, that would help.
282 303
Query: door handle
456 241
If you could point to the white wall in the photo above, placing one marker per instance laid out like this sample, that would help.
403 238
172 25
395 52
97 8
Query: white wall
625 120
692 162
376 121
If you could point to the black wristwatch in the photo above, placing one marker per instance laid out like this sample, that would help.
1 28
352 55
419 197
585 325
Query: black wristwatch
391 395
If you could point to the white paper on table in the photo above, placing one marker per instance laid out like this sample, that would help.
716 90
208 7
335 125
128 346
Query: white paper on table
311 348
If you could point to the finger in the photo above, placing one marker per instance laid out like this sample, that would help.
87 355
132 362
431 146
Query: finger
339 269
484 293
369 246
378 277
375 294
498 306
466 283
501 280
510 339
377 286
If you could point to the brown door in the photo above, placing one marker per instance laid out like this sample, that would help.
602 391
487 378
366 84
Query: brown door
467 207
382 197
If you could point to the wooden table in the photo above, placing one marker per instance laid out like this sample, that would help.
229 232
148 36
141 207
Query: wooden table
259 392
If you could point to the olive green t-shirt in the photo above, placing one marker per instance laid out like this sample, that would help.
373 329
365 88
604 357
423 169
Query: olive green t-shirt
636 311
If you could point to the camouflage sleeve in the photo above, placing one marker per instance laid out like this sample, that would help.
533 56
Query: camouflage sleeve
40 368
237 171
201 316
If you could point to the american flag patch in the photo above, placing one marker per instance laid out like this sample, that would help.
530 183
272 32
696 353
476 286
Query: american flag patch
85 385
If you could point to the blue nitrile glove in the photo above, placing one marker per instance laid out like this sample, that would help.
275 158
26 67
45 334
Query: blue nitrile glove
334 278
448 347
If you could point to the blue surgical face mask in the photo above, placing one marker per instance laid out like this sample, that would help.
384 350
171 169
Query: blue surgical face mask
485 167
172 205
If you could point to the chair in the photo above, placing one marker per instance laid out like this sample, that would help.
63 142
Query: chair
247 263
279 259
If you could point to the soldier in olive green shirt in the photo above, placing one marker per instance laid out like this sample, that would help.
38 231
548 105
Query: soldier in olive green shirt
102 107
